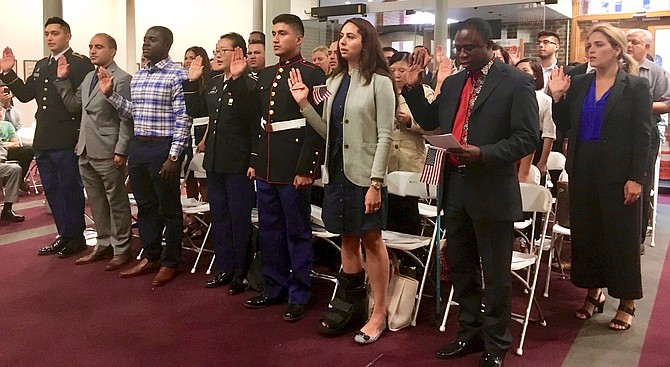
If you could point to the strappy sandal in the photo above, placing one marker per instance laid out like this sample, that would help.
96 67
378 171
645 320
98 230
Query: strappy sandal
615 321
599 306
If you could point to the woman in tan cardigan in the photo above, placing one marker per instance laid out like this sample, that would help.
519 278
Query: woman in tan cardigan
357 122
408 151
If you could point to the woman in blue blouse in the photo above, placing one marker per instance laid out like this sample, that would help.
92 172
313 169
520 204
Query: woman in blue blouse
357 122
608 114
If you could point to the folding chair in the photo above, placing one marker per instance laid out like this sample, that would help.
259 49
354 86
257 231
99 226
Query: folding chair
403 183
406 243
559 231
196 209
319 231
555 162
535 199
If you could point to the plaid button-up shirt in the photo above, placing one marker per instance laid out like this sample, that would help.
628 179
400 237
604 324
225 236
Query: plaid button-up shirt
157 103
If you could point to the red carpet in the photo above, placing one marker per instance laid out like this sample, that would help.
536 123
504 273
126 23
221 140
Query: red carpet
656 342
56 313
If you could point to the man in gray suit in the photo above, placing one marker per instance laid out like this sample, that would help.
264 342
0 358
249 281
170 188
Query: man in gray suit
102 148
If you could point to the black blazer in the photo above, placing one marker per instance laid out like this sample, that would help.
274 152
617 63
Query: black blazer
626 124
57 128
231 143
504 124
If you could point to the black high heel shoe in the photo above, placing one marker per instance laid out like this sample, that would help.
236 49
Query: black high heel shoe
626 325
599 306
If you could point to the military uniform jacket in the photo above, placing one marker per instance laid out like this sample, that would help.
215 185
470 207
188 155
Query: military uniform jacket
232 140
284 154
57 128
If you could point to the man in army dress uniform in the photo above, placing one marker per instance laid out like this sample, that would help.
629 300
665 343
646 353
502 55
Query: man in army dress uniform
56 134
288 159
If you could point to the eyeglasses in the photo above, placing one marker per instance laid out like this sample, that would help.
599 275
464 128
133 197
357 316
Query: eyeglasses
221 51
546 43
467 49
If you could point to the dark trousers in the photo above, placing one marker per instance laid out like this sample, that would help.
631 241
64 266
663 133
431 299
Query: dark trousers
24 155
158 202
231 198
604 231
468 241
649 182
59 171
285 240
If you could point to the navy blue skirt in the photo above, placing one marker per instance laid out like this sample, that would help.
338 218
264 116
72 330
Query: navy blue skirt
344 205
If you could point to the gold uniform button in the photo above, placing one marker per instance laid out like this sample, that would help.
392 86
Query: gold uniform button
44 107
273 93
45 89
272 103
272 112
281 70
278 77
44 98
46 80
274 84
297 140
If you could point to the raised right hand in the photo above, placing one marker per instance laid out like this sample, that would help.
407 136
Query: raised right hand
417 66
298 89
8 60
558 83
238 64
63 70
195 70
105 81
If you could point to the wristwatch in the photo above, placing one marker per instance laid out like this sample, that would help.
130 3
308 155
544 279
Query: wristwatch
376 184
173 158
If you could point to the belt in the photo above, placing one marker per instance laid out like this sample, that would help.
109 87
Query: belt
151 138
461 169
283 125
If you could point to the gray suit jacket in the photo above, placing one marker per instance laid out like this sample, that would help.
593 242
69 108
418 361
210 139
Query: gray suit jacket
102 132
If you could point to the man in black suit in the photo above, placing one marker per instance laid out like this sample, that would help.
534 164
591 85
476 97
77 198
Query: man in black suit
492 109
56 134
230 152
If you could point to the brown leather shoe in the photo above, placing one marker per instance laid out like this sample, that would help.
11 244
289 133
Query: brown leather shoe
164 276
143 267
96 255
118 261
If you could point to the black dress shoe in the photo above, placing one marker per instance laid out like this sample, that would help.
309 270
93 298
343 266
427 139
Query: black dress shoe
491 360
237 286
73 247
10 216
460 349
219 280
55 247
295 312
261 301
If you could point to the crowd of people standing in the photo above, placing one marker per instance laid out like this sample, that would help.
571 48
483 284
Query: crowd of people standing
272 131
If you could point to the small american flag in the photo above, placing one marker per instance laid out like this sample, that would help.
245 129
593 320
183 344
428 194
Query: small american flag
432 169
320 93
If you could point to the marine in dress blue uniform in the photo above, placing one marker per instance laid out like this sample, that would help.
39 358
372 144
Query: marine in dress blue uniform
283 153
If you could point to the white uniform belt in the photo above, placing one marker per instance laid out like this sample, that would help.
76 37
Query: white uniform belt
283 125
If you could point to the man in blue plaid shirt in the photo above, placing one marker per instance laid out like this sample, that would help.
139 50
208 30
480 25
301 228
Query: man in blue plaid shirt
162 128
